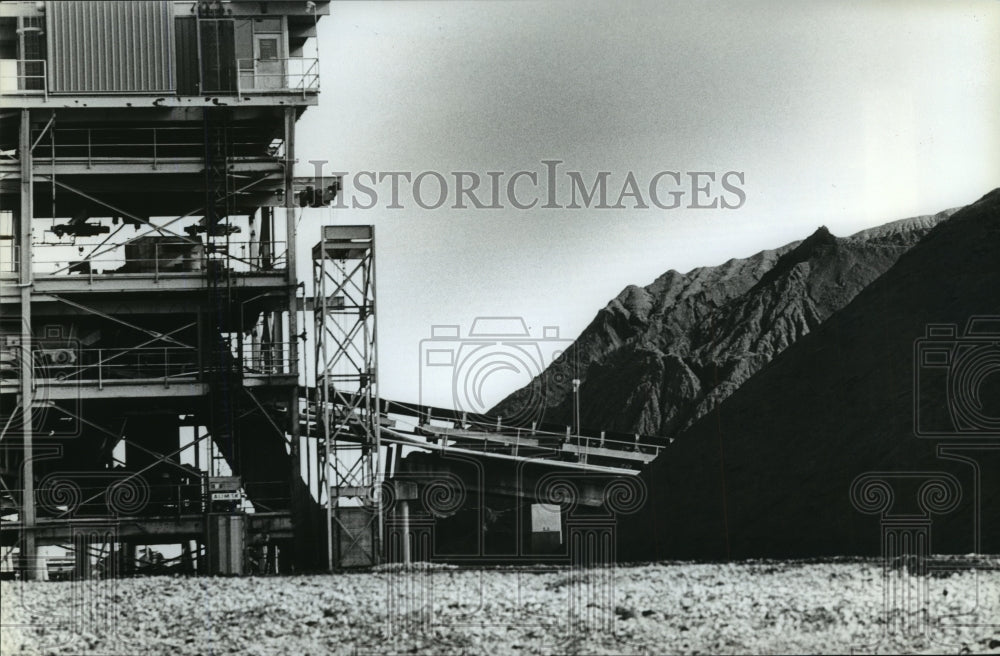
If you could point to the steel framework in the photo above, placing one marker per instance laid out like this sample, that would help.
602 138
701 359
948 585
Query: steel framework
346 393
175 338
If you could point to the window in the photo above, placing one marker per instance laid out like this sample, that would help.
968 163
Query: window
268 49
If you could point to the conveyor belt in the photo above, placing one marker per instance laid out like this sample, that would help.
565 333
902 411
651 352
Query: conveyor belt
614 452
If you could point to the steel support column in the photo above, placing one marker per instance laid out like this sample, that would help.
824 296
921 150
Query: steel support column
346 383
299 504
29 550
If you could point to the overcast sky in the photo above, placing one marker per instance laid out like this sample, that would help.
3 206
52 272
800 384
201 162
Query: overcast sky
844 114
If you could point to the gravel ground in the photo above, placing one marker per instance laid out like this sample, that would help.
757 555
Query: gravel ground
758 607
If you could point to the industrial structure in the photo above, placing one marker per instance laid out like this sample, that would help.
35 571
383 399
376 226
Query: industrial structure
166 377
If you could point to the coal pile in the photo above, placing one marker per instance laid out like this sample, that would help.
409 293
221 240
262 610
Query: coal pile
659 357
771 472
752 607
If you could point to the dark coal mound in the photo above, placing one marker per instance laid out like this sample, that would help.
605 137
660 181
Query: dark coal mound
769 471
658 358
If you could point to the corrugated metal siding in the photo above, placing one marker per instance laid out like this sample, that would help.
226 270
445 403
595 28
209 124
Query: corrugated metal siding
111 46
188 80
218 55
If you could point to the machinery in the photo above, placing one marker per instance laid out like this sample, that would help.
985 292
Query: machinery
149 305
155 339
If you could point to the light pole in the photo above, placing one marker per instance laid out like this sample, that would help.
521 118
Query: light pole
576 412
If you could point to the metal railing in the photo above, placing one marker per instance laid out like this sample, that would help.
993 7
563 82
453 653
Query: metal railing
491 433
23 77
267 361
113 144
119 492
526 437
295 74
156 258
254 75
9 261
149 363
104 365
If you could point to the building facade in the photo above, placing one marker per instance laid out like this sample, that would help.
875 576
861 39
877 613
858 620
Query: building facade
151 315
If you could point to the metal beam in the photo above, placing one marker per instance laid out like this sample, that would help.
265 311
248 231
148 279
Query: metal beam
151 333
146 283
131 389
164 226
406 440
104 361
298 511
267 416
29 550
346 367
277 525
160 457
118 101
52 119
160 229
143 168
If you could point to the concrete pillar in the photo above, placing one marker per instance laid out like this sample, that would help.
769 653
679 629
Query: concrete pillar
405 491
226 544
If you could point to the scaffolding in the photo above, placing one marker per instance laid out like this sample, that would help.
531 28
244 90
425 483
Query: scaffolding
149 293
150 324
346 393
